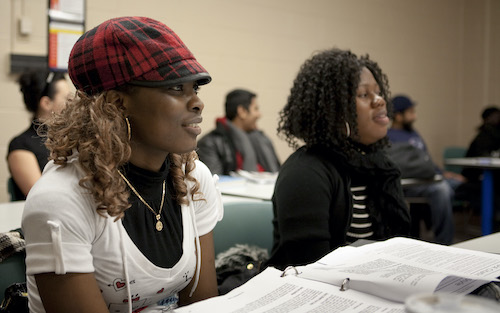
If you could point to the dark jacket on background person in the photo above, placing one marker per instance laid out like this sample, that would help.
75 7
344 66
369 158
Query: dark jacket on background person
218 150
485 142
313 197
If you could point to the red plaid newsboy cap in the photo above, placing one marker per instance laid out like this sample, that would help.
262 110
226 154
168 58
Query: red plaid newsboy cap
135 50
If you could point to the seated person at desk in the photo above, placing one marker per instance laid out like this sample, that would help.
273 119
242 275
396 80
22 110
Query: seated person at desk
236 143
485 144
44 93
439 194
340 186
487 141
121 219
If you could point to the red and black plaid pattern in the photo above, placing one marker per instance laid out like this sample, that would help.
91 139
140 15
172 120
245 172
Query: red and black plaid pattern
135 50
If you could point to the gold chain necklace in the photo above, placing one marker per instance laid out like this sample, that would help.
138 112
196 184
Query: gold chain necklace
159 224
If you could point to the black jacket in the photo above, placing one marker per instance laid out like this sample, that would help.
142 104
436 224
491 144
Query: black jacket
486 141
312 202
217 151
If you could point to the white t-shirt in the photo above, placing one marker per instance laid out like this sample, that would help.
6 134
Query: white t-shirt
65 234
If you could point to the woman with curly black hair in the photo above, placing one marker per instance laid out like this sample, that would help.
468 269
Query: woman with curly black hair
121 219
339 186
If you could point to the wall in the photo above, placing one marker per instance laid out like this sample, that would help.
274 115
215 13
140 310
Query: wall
444 54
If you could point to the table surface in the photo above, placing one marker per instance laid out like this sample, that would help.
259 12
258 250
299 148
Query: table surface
479 162
408 182
264 191
489 243
11 214
247 190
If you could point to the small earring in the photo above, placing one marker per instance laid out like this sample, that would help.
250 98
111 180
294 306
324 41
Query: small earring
129 131
347 129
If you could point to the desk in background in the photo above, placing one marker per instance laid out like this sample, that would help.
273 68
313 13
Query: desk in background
487 196
246 189
489 243
408 182
11 214
243 188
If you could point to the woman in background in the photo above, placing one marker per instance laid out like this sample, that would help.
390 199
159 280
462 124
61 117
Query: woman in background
44 93
122 218
339 186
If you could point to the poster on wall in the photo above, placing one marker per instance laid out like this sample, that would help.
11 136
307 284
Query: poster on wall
66 25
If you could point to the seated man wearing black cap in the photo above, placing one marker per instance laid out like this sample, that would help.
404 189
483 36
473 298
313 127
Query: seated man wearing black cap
236 143
439 194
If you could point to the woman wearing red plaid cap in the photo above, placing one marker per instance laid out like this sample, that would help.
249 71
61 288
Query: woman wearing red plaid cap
122 218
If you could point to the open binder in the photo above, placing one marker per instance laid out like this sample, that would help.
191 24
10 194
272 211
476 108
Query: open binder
376 277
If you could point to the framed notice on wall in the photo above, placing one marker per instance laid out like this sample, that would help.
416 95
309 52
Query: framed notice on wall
66 25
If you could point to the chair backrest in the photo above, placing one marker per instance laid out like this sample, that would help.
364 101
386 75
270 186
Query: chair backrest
10 189
454 152
12 270
15 193
245 223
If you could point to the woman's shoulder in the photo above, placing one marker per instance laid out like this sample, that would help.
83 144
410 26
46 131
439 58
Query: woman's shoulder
25 140
201 173
59 182
57 195
308 166
62 175
201 170
309 158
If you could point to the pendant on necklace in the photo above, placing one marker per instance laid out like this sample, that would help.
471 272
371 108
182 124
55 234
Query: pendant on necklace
159 224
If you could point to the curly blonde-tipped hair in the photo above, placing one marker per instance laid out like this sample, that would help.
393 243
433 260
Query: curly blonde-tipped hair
98 131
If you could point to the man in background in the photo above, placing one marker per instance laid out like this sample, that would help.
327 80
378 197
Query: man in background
487 141
236 143
485 144
439 194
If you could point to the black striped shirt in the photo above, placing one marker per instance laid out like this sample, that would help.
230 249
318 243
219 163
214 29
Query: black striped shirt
361 226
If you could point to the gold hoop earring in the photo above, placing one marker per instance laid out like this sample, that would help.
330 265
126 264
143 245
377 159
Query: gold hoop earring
129 131
347 129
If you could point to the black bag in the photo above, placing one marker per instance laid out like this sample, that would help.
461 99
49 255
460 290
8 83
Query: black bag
412 161
237 265
229 280
16 299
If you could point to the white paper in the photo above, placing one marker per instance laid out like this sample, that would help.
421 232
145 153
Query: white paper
269 292
400 267
382 275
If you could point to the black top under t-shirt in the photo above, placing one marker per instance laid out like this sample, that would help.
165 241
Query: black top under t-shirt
162 248
30 140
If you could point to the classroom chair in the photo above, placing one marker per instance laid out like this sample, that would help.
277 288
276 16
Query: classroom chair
14 196
245 223
453 152
12 270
